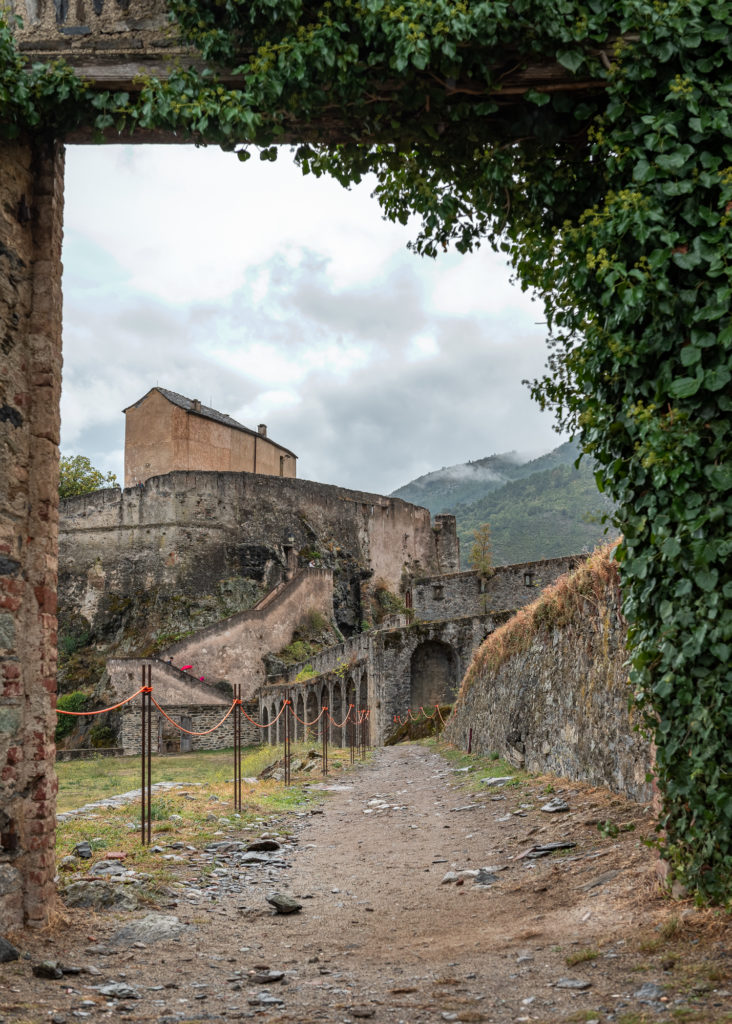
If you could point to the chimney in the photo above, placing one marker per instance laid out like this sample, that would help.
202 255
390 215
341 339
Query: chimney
262 428
196 404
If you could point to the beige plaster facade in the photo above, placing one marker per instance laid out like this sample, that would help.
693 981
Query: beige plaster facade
165 431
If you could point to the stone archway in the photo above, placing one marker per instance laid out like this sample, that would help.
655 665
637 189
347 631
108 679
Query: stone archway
434 675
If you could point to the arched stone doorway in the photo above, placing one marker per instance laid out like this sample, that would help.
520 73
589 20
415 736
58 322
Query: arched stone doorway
311 714
434 675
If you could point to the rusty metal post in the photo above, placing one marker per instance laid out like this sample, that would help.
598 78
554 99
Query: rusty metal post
287 706
143 738
237 760
149 754
325 740
351 734
470 741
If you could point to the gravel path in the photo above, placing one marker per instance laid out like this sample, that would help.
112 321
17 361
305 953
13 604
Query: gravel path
380 935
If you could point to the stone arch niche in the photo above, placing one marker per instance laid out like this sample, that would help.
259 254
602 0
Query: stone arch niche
311 713
298 727
434 675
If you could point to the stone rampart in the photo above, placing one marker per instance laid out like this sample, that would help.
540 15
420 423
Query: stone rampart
195 718
391 670
561 704
508 587
31 205
185 533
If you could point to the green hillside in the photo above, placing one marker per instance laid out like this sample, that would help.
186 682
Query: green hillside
555 511
443 489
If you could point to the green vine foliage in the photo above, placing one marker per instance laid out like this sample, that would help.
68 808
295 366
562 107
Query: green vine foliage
613 202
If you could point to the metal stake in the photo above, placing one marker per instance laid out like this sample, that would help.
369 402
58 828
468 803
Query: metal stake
287 739
149 755
351 733
143 738
325 741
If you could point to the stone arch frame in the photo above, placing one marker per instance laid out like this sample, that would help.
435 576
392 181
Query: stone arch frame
337 714
265 724
274 738
351 705
298 727
311 713
434 674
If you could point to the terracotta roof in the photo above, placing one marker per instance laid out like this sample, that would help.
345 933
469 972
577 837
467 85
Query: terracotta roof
210 414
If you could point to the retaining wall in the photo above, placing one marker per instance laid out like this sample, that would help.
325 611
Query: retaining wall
562 704
508 587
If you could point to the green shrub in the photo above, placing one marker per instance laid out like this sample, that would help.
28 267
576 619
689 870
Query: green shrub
66 724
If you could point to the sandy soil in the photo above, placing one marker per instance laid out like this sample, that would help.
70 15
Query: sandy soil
381 937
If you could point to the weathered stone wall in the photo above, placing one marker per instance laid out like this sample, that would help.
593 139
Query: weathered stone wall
464 593
561 705
390 660
197 718
31 203
187 533
230 652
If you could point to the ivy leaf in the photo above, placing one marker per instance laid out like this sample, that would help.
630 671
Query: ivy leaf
684 387
706 579
571 59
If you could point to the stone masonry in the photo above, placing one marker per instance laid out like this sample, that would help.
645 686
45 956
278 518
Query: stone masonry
31 203
562 705
455 594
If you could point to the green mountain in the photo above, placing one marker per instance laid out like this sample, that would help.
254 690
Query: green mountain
444 489
536 509
552 512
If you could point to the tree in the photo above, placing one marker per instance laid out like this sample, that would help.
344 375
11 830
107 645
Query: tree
78 476
481 555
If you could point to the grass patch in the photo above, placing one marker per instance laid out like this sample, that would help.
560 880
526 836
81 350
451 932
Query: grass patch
197 818
582 956
479 767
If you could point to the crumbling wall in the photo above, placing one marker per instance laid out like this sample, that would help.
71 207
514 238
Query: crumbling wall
31 203
143 566
508 587
550 690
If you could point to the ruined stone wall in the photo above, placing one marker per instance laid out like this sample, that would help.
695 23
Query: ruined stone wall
200 718
185 533
387 657
562 704
170 685
31 203
464 593
233 650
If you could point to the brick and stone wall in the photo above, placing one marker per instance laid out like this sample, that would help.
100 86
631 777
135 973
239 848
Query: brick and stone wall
562 705
509 587
185 533
31 203
395 669
195 718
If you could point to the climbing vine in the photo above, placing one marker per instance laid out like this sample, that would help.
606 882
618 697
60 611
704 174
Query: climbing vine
613 200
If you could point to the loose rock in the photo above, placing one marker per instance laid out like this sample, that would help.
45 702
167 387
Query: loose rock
8 951
283 903
47 969
152 928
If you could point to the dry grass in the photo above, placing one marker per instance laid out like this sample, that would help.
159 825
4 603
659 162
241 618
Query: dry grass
588 585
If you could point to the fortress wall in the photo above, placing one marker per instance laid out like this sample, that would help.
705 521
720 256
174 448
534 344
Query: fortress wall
233 649
31 205
561 705
185 532
464 593
201 717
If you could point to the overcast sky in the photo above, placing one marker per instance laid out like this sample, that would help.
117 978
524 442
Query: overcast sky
286 300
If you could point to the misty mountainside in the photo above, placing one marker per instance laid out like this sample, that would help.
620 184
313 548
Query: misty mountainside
540 508
553 512
444 489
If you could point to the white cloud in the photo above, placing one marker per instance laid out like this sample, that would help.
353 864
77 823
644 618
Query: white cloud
289 301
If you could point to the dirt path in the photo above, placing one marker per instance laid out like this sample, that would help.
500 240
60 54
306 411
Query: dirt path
380 936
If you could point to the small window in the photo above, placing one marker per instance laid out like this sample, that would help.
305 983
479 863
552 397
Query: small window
282 465
437 594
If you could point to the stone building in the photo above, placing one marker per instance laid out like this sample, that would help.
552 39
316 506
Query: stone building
165 431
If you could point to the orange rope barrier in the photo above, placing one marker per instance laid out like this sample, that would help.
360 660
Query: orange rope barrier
104 710
339 725
267 724
188 732
303 722
428 717
437 708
